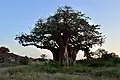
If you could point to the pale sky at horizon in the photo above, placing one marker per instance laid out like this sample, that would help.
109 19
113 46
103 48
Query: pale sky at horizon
20 16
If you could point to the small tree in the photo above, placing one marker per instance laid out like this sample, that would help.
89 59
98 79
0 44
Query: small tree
114 55
109 56
43 56
100 52
24 61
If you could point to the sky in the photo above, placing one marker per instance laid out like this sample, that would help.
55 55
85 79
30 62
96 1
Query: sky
20 16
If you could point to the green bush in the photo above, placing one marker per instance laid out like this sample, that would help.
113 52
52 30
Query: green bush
49 67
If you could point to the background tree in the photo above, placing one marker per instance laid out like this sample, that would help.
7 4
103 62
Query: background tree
24 61
99 52
4 50
43 56
114 55
66 28
110 56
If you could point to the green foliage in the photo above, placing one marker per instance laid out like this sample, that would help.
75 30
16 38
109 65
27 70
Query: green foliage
116 61
102 54
75 69
45 67
50 68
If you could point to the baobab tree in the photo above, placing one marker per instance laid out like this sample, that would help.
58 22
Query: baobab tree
64 34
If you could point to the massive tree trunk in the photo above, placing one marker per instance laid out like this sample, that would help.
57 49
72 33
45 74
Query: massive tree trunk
61 54
64 53
67 55
74 54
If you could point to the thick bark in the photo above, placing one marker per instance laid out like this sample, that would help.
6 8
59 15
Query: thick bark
68 57
62 56
75 51
66 53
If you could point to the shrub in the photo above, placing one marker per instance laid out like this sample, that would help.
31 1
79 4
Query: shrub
49 67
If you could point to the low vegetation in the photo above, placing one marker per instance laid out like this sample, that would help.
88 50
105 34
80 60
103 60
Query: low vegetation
39 76
92 70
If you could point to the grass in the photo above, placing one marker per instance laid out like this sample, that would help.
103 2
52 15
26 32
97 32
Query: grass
38 76
51 71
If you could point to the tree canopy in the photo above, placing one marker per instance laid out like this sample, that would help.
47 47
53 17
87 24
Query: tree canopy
66 25
99 52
